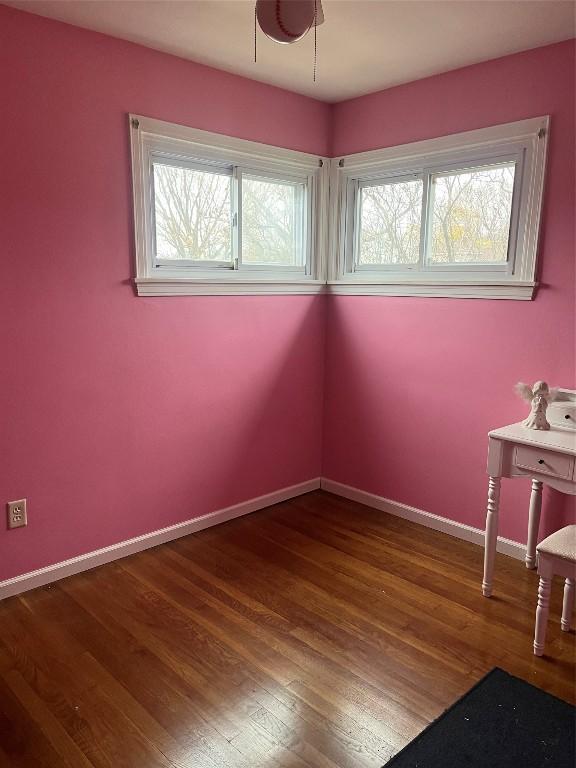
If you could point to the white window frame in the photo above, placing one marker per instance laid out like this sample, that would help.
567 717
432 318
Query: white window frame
524 142
158 140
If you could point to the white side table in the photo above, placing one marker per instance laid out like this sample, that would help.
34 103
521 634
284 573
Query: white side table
516 451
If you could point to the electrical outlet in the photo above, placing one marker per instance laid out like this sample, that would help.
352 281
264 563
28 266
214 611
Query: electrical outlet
17 517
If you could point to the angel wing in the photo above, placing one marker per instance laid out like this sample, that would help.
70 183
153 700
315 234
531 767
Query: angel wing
523 390
553 394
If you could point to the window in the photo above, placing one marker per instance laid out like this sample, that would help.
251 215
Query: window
436 220
220 215
192 214
470 215
456 216
389 222
273 219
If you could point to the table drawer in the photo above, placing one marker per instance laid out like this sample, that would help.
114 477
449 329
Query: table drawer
544 462
562 414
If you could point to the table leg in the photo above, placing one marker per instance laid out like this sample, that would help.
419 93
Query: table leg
533 523
491 534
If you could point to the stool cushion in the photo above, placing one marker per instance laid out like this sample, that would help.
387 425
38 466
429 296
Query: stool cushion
560 544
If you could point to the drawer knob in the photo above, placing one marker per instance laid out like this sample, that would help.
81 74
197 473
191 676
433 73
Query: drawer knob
540 461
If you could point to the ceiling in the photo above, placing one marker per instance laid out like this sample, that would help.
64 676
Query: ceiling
364 45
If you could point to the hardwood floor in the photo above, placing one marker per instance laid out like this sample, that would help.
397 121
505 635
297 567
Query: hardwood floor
318 633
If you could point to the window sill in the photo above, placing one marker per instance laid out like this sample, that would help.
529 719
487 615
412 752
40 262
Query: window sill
462 289
180 286
168 286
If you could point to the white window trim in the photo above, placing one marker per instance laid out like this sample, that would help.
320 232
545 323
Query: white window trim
327 213
149 136
530 136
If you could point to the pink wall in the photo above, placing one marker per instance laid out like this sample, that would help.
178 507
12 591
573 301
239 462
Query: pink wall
120 415
414 385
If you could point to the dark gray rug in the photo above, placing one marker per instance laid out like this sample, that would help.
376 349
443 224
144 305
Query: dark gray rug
502 722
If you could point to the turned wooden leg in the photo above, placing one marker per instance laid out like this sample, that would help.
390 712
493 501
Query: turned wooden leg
533 523
544 589
491 536
567 605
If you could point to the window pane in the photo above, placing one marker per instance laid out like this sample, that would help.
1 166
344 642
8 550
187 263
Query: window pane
390 223
272 222
471 216
192 213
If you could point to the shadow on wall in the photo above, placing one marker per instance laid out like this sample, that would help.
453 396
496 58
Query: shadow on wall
288 397
355 433
390 411
411 395
246 422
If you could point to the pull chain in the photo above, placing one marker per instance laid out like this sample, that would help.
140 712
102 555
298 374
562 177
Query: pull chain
315 37
254 33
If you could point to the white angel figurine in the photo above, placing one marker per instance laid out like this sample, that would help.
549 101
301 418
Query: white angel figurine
538 395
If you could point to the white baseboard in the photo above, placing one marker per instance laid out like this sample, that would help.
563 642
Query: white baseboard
57 571
61 570
443 524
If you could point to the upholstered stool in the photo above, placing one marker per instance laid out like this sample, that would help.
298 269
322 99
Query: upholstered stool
556 557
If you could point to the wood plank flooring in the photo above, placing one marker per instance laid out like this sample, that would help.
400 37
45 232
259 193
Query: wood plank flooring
318 633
